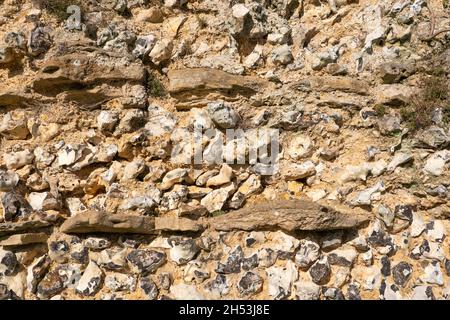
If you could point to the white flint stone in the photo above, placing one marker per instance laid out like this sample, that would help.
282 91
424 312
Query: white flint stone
307 290
417 225
90 280
436 163
240 11
280 280
433 274
399 159
17 160
185 292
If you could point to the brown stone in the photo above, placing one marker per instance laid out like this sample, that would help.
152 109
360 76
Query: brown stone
152 15
24 239
203 84
177 224
72 71
393 94
14 97
291 215
15 227
96 221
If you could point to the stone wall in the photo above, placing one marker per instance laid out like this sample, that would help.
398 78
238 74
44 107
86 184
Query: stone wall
96 114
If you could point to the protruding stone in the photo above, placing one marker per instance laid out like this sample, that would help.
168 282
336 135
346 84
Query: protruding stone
91 280
291 215
95 221
8 180
222 178
36 271
280 280
223 115
14 127
107 121
342 257
149 287
183 250
307 290
162 51
308 253
145 261
402 273
18 159
152 15
249 284
320 271
8 262
120 282
24 239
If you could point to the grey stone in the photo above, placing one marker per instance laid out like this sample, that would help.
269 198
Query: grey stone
51 285
91 280
8 262
107 121
250 283
8 180
223 115
342 257
423 293
402 273
219 286
144 45
233 262
14 206
307 290
331 240
120 282
133 120
36 271
433 274
320 271
145 261
95 243
149 288
183 249
282 55
307 254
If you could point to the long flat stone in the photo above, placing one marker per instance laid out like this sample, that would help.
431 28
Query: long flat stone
14 98
291 215
16 227
177 224
24 239
72 71
204 84
96 221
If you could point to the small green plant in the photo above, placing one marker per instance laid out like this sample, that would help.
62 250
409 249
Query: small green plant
201 21
438 71
395 134
58 8
217 213
380 110
434 94
155 87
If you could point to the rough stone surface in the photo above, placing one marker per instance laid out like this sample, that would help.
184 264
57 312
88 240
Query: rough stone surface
94 221
139 161
291 215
